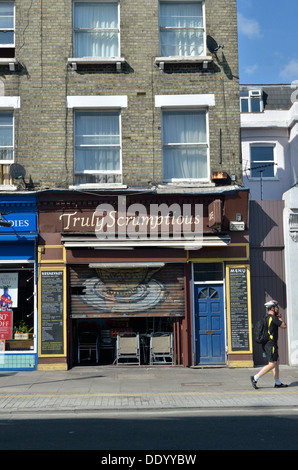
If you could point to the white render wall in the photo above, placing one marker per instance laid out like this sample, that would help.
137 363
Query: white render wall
291 263
271 127
273 188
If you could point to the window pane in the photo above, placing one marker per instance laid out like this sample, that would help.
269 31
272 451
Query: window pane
185 162
182 43
181 15
95 15
255 105
6 154
6 15
184 127
97 128
261 153
103 159
7 38
96 44
208 272
244 106
5 136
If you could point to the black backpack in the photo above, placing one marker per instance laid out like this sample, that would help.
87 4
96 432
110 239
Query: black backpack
261 331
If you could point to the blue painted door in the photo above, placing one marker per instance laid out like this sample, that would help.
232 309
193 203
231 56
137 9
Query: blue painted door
209 324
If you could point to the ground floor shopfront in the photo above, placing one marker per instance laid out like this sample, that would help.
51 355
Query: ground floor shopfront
18 282
195 294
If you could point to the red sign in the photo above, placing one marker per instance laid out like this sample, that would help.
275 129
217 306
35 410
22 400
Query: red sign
5 324
215 214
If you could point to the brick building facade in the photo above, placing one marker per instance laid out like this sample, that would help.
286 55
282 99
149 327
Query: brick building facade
45 75
140 98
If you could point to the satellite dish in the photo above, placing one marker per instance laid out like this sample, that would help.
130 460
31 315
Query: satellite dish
17 171
212 45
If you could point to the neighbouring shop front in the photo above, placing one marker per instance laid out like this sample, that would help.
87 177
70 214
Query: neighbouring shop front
98 287
18 269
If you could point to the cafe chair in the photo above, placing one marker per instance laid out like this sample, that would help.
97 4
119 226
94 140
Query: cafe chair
161 348
88 342
128 349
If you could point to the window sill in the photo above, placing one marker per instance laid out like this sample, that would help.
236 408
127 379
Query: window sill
10 61
8 187
265 178
183 60
99 186
181 185
75 61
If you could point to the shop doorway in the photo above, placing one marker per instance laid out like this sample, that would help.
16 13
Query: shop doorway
209 324
94 340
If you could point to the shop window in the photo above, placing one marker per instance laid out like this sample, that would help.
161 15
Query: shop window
17 296
262 161
204 272
185 145
7 26
182 30
96 29
97 147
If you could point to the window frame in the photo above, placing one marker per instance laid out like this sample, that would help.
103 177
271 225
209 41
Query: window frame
203 28
200 144
9 45
253 93
104 58
12 147
97 172
262 162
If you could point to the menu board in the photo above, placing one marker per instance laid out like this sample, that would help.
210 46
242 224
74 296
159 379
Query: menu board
238 298
52 308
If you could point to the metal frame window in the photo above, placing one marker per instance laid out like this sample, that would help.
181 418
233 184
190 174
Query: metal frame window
262 161
96 29
182 28
185 145
6 138
7 24
97 145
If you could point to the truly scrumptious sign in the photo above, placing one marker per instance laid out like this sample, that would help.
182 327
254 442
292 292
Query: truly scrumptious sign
176 221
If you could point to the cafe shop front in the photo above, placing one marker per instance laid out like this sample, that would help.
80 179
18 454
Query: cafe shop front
143 265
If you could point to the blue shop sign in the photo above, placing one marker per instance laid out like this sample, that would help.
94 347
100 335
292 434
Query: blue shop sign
20 222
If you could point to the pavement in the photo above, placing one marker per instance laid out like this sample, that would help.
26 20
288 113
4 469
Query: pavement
124 388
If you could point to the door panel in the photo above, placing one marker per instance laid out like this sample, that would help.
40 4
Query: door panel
209 324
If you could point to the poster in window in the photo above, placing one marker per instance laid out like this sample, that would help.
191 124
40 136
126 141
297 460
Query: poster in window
6 319
8 290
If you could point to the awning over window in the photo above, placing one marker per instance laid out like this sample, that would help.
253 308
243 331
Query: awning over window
92 242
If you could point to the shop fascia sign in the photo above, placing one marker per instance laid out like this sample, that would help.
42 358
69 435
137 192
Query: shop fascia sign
19 222
137 221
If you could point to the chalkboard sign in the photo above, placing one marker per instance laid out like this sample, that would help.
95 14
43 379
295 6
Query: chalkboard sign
52 308
238 298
